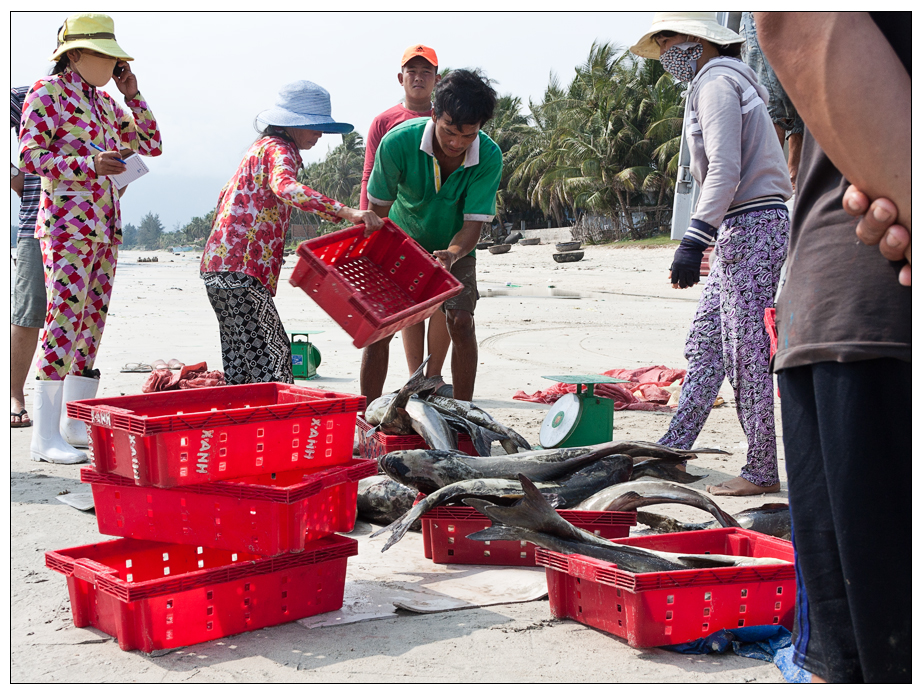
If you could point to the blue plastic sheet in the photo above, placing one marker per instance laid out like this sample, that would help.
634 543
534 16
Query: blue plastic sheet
770 643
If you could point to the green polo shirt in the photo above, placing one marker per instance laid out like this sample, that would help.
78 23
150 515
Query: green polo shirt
405 175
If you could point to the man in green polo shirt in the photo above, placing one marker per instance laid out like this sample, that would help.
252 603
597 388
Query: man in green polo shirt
437 179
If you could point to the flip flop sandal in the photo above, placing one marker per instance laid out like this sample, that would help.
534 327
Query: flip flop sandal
137 367
159 364
21 423
175 364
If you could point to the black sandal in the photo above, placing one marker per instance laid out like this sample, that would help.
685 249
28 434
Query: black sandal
19 415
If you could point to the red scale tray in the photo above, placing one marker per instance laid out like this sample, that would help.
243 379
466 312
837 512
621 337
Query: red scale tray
445 531
652 609
269 514
159 596
372 286
378 444
201 435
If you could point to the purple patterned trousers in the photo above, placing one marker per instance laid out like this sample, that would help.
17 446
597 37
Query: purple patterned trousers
728 339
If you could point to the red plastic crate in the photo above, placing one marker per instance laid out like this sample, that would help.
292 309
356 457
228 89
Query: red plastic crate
202 435
772 330
372 286
651 609
158 595
445 531
269 514
378 444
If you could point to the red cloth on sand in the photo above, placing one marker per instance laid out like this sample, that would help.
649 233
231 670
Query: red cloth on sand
192 376
646 381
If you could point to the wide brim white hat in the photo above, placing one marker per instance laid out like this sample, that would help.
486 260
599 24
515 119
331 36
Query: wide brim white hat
306 105
703 25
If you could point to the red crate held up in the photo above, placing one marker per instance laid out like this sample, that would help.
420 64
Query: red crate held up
194 436
372 286
651 609
159 595
269 514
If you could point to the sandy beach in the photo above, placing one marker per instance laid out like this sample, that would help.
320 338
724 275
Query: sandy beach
613 309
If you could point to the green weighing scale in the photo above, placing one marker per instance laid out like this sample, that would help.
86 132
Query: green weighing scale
305 357
581 418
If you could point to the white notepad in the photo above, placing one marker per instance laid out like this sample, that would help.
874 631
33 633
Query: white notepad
136 169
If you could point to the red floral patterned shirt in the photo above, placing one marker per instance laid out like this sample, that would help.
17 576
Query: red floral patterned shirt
254 208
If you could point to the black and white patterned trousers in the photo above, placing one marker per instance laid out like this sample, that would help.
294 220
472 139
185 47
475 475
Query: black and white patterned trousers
254 345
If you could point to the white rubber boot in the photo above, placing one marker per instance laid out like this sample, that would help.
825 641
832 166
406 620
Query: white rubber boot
76 388
47 442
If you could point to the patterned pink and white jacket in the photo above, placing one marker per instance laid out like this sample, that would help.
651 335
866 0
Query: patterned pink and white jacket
61 115
254 209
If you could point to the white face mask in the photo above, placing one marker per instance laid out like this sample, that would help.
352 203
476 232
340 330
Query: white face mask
96 70
681 60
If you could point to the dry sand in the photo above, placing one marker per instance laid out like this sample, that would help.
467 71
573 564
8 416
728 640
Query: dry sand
626 316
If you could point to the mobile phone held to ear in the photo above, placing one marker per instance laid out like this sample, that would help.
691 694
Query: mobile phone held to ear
118 69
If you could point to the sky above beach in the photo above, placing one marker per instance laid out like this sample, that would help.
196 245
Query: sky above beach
207 74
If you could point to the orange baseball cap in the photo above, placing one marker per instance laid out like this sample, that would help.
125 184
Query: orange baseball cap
419 50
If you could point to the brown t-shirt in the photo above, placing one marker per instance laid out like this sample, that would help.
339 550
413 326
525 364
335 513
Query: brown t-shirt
841 301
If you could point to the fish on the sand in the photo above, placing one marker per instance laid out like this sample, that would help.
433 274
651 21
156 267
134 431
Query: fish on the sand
427 470
388 412
480 417
381 500
532 519
665 470
632 495
565 493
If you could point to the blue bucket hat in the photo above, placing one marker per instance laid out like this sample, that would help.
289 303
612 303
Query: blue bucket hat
303 104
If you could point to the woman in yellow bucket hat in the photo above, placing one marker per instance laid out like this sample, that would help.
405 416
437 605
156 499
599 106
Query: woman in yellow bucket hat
75 136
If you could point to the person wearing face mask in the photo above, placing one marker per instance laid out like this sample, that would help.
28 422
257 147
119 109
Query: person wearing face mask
243 255
73 135
739 165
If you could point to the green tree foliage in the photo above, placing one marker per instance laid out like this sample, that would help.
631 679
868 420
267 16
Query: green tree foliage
606 143
149 232
129 235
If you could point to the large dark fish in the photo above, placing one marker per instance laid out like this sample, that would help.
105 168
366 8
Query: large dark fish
773 519
389 413
665 470
482 418
533 519
642 493
427 470
381 500
576 487
481 438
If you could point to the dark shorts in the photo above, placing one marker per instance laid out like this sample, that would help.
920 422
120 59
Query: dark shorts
848 455
29 301
465 270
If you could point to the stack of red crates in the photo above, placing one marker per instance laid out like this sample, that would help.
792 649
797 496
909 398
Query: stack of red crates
228 501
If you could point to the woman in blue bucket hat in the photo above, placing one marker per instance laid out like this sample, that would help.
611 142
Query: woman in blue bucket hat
243 254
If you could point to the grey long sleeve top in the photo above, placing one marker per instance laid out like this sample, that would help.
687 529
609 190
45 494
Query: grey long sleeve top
735 153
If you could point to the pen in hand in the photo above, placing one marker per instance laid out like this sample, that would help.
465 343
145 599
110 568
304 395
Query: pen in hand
97 147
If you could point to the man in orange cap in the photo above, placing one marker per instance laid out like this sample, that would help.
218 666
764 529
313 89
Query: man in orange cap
419 73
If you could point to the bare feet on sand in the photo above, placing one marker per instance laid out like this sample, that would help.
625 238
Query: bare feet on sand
740 487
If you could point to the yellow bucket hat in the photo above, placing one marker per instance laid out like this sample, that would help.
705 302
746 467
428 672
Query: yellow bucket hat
89 30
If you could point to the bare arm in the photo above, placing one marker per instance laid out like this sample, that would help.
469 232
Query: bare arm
17 182
462 243
852 92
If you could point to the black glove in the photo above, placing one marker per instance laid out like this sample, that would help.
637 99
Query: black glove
686 265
